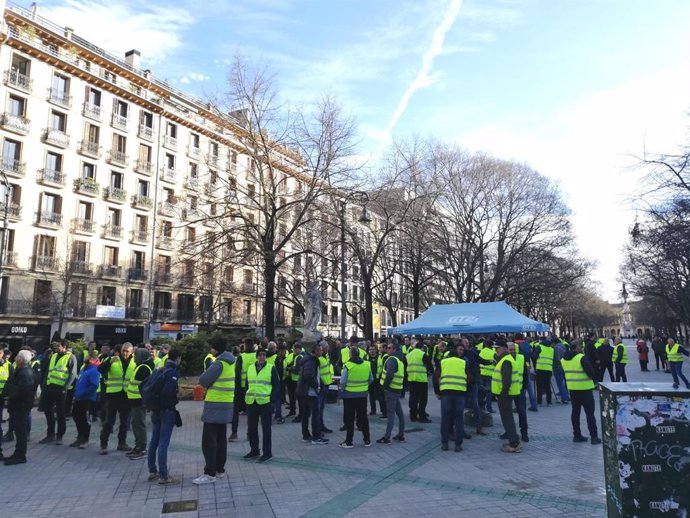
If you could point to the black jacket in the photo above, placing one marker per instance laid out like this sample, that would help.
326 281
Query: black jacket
309 376
20 389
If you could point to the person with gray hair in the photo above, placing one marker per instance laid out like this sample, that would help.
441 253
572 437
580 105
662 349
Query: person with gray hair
20 391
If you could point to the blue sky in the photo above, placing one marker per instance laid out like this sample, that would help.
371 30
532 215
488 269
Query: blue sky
572 87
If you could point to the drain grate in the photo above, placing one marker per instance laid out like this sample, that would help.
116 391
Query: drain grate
180 506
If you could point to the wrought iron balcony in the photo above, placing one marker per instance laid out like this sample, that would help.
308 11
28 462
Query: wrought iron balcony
139 236
19 81
137 274
115 194
145 132
14 211
10 259
137 313
168 174
164 277
143 166
50 177
13 167
110 270
119 158
166 208
16 123
139 201
89 148
92 111
45 262
56 137
112 232
59 97
166 242
49 219
169 142
118 121
80 268
83 226
193 152
87 186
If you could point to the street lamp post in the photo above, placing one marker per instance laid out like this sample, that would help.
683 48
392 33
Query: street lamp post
362 197
3 240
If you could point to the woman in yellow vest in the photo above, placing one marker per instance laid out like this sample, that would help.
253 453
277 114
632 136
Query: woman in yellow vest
219 382
354 388
674 356
262 386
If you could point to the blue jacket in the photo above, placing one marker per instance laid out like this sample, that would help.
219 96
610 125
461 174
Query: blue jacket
169 390
87 384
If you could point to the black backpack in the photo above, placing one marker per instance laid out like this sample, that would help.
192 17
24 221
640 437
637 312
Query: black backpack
151 389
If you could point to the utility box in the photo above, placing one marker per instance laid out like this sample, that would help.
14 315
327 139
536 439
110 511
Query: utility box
646 439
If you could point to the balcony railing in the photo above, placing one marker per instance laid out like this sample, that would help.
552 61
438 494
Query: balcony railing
119 158
115 194
212 160
137 274
169 142
87 186
164 277
16 123
143 166
139 201
168 174
191 183
11 259
110 270
59 97
118 121
80 267
89 148
19 81
145 132
83 225
13 167
166 208
164 314
56 137
139 236
50 177
92 111
163 241
49 219
45 262
186 280
14 210
193 152
112 232
192 214
137 313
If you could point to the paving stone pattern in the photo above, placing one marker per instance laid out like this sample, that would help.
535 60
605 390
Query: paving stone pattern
551 477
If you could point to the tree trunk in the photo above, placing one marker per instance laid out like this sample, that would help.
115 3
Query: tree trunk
368 306
269 297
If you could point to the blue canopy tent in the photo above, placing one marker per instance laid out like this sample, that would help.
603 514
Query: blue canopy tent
470 318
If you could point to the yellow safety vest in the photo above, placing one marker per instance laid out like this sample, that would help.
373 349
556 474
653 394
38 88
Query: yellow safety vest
248 359
294 376
453 375
357 377
520 366
57 370
325 371
673 354
259 388
398 375
575 376
4 374
209 356
416 371
624 357
271 360
379 365
497 380
223 388
133 383
545 360
117 378
487 353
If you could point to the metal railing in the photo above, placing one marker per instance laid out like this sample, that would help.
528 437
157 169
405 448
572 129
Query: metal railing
59 97
16 123
115 194
87 186
92 111
118 157
145 132
112 232
50 176
137 274
90 148
56 137
87 226
139 236
80 267
142 202
143 166
50 219
118 121
109 270
19 81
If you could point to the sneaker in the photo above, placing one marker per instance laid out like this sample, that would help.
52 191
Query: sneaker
320 441
399 438
675 385
503 436
343 428
579 438
75 443
383 440
204 479
252 455
297 419
167 481
280 420
84 445
138 455
306 438
233 437
11 461
507 448
58 440
326 430
152 477
124 447
444 446
367 444
264 458
524 437
458 447
533 409
103 451
345 444
220 474
595 440
133 451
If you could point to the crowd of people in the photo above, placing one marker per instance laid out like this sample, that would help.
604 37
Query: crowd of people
125 383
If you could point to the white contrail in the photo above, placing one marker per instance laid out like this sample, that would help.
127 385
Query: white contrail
422 79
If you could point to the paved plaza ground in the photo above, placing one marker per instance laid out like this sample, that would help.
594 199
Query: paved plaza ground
551 477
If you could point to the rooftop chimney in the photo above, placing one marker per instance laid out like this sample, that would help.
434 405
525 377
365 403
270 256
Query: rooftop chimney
133 58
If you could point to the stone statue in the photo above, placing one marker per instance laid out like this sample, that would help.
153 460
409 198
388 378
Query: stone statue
312 315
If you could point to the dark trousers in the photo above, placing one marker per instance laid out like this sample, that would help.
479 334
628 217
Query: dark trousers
214 446
80 415
238 406
603 367
583 399
69 399
472 401
355 408
115 404
54 407
419 395
375 391
138 420
292 398
677 372
659 359
521 406
643 365
21 431
310 408
278 403
505 409
452 409
254 412
544 386
620 373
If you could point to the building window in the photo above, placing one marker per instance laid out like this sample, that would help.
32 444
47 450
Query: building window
88 171
108 296
116 180
143 188
111 256
16 106
58 121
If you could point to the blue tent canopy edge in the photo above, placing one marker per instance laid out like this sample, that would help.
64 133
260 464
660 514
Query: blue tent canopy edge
470 318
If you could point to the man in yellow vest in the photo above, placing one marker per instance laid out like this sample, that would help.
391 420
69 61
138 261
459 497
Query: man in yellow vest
505 385
451 388
543 366
354 387
579 377
418 367
292 364
620 359
219 381
674 357
62 371
246 358
143 368
262 386
392 381
117 369
487 359
326 374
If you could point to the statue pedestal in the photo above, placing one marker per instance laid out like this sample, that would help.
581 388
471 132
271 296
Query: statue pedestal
310 336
